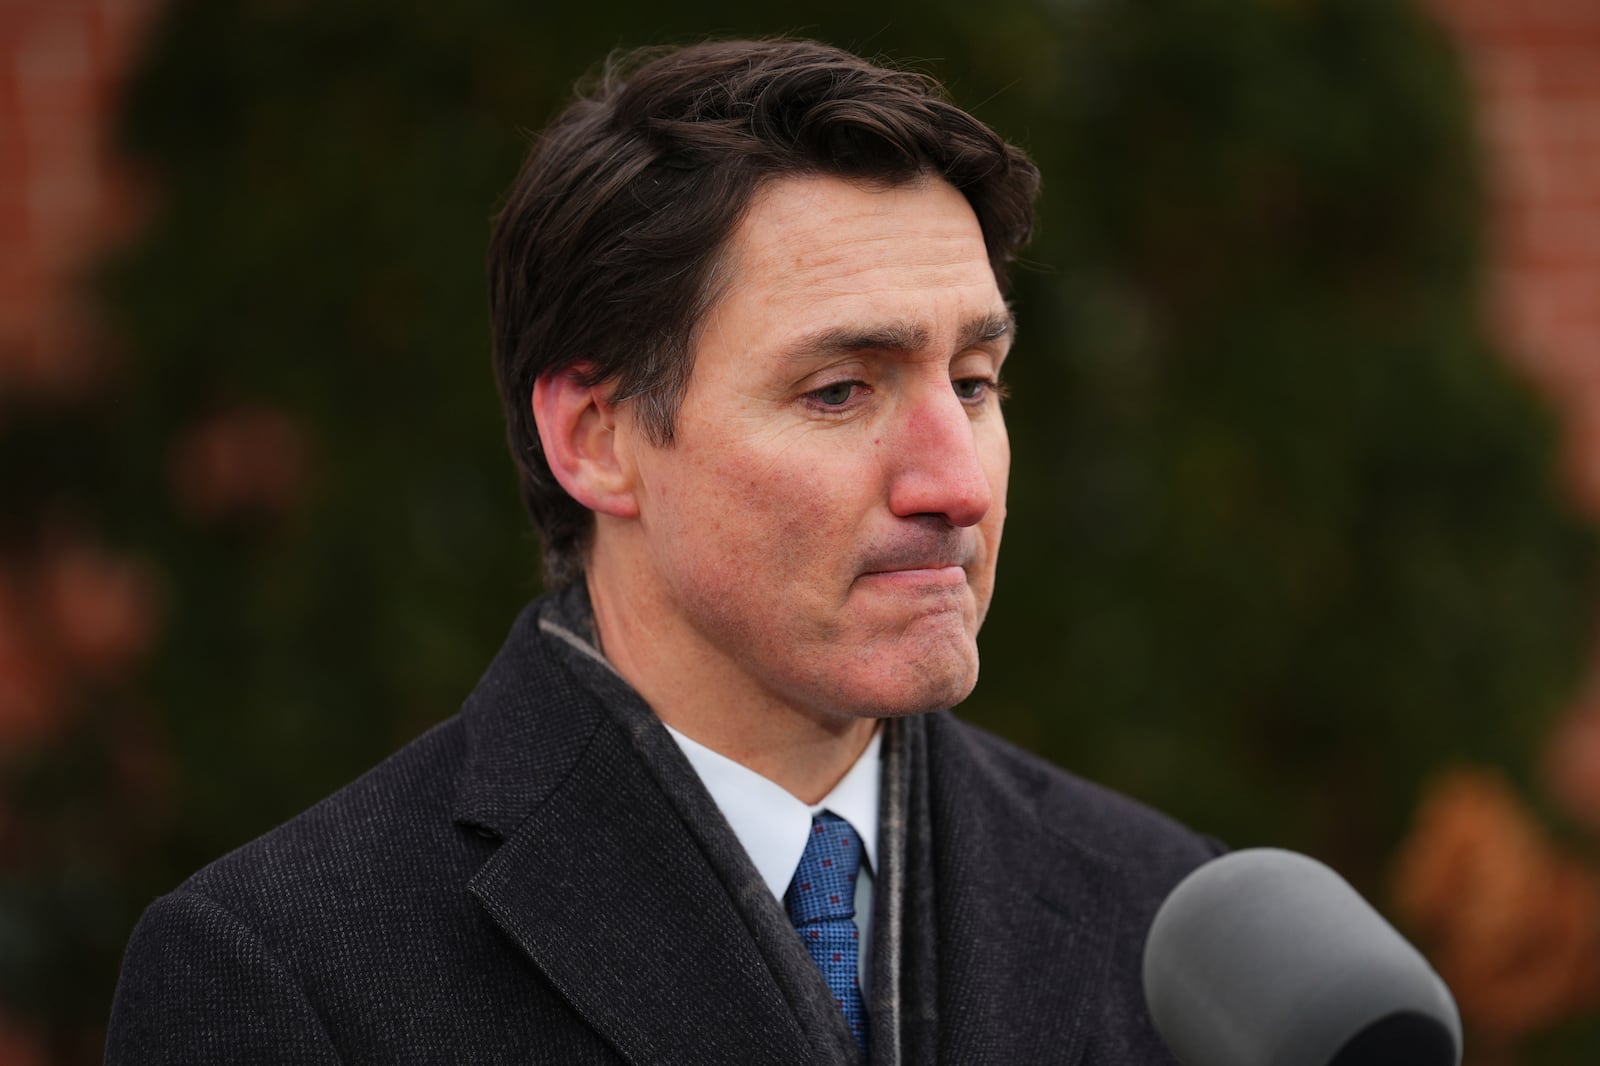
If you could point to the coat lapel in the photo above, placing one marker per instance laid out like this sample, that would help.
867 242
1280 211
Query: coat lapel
599 881
609 896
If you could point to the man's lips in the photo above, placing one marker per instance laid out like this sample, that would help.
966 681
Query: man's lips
936 574
928 559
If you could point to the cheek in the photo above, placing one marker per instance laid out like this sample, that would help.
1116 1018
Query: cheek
800 489
752 514
793 529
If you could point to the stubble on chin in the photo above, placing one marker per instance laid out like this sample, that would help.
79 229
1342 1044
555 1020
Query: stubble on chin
930 664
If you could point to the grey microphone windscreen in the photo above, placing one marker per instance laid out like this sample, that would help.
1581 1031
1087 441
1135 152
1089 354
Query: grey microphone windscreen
1269 958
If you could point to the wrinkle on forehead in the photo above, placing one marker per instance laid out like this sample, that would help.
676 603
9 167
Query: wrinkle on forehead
772 235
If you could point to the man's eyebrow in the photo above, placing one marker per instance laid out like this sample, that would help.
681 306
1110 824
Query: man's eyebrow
990 327
897 337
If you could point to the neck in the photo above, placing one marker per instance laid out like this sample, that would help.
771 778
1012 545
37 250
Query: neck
705 695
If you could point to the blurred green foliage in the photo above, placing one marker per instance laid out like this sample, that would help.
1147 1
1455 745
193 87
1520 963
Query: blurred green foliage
1285 526
1284 533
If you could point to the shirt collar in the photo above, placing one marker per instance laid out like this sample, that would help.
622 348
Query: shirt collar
774 825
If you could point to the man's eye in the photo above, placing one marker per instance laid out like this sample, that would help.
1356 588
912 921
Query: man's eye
973 388
836 395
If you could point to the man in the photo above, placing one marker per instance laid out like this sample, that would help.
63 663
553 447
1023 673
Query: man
707 805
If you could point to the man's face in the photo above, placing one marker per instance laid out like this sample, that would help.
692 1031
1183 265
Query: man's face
824 527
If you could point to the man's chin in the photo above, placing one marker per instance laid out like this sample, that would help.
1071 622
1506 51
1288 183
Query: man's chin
911 706
921 683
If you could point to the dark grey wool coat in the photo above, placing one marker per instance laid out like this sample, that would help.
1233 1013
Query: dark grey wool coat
542 879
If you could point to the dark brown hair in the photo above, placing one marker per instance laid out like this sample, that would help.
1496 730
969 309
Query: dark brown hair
608 247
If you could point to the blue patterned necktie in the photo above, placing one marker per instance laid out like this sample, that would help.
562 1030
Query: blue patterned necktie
822 905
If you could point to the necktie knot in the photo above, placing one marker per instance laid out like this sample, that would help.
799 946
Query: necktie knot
822 905
824 885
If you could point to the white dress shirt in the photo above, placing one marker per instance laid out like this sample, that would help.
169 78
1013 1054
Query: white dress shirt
773 825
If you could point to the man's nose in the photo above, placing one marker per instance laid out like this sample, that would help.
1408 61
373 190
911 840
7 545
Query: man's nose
937 468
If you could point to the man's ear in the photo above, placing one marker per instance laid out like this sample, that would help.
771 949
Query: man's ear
577 428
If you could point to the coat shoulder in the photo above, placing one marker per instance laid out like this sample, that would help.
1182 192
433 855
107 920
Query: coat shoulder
351 841
1133 838
346 934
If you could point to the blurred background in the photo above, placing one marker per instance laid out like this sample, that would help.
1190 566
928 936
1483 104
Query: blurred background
1306 424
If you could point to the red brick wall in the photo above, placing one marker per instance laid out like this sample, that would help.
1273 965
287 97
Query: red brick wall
1536 71
62 63
62 197
1536 68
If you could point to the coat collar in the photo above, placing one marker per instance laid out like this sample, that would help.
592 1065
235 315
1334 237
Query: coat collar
527 723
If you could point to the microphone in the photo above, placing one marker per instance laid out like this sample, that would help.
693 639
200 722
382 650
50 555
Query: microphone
1268 958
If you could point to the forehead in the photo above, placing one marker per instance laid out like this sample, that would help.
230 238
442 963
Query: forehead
817 253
